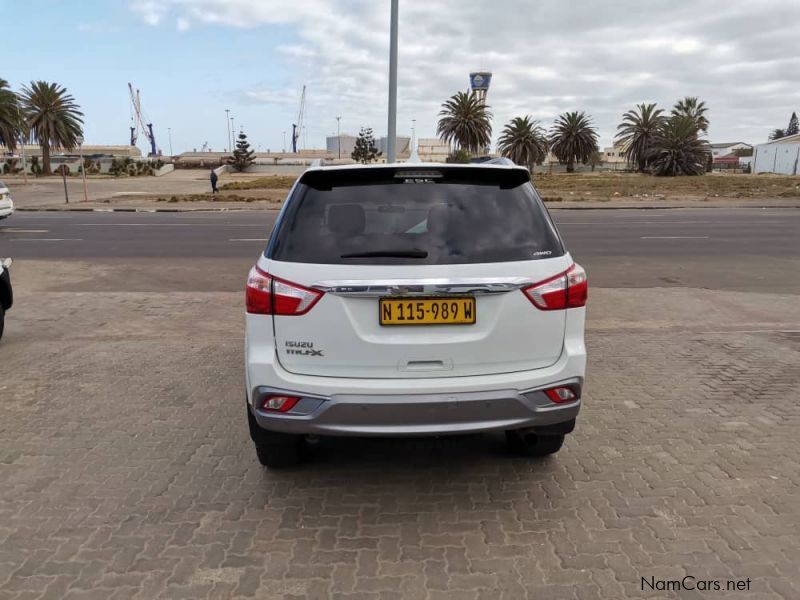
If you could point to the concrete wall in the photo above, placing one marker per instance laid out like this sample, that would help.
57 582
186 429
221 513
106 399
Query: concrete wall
164 170
276 169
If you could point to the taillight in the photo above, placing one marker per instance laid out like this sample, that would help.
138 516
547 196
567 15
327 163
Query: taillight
562 394
278 403
567 290
268 295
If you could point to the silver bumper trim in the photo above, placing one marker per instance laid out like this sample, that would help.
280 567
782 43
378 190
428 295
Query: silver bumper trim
416 414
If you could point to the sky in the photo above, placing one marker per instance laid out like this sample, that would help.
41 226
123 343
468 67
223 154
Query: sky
192 59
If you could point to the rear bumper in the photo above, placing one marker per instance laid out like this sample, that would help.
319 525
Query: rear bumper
415 414
412 406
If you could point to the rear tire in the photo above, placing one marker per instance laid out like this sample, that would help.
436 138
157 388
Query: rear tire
274 449
279 456
527 443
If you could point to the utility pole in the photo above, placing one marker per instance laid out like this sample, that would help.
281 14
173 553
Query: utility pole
228 124
339 136
233 135
392 133
83 170
169 133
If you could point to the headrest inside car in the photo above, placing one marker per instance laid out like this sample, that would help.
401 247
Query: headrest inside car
346 219
437 219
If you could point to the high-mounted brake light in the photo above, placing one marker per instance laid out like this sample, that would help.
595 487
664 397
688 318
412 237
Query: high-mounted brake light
566 290
268 295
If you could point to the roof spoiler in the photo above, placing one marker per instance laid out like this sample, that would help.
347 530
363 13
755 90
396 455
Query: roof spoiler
328 179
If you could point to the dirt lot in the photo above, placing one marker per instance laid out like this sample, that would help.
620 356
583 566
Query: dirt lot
190 189
599 186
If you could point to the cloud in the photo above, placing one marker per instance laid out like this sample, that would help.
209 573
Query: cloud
547 57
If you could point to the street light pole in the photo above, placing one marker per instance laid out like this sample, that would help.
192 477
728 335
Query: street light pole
233 135
339 136
83 170
392 133
169 133
22 145
228 124
284 142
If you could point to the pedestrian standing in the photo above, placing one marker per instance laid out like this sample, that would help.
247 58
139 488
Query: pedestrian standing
213 177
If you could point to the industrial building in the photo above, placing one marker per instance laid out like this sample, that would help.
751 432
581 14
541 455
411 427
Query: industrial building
348 143
778 156
432 150
402 145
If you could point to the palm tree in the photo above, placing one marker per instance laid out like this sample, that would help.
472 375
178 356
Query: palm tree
465 120
9 116
777 134
636 132
573 138
524 141
695 109
52 117
677 149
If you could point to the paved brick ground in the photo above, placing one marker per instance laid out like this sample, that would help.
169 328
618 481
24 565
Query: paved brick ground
126 471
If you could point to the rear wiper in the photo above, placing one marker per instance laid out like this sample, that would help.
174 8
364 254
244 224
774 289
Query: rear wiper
412 253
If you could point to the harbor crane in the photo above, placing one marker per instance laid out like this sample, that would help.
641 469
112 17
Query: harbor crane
140 122
297 127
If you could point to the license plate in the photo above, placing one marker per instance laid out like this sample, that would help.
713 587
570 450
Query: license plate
427 311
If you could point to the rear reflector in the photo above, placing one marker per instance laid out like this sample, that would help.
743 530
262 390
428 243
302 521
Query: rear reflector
268 295
561 394
278 403
566 290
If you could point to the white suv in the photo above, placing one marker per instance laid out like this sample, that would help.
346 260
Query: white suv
6 203
400 300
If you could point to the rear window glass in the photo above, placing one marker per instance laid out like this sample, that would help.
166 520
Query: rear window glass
415 221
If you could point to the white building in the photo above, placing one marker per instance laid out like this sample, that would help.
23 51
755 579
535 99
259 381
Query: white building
779 156
727 148
432 150
614 155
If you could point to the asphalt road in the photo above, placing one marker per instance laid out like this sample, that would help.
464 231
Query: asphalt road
740 249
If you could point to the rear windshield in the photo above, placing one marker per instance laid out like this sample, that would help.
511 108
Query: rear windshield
414 221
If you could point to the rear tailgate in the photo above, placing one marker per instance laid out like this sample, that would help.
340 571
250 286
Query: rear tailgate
342 335
445 233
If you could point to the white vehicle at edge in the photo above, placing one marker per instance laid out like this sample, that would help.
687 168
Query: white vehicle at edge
424 299
6 204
